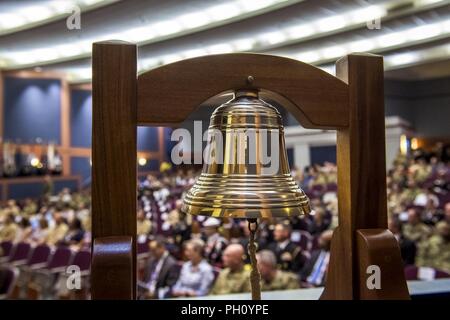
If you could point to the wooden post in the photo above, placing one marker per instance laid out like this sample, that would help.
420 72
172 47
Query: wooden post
2 109
65 126
361 163
114 175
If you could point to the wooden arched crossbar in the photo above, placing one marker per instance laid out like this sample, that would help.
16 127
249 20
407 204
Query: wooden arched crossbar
352 103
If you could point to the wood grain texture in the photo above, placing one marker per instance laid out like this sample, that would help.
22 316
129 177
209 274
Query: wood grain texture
167 95
161 145
81 86
361 165
32 74
114 127
379 247
112 268
2 108
65 125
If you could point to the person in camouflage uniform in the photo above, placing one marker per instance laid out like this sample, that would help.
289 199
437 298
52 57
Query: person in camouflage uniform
234 278
415 230
435 252
271 278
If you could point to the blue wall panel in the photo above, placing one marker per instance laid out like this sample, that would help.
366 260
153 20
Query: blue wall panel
151 165
81 118
36 189
323 153
32 110
147 139
81 166
71 184
290 156
25 190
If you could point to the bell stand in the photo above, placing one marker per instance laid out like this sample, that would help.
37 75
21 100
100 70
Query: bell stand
351 103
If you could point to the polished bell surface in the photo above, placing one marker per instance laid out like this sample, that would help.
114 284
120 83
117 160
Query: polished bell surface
246 173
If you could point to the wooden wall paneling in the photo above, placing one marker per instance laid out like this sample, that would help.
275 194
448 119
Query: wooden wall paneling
2 109
161 146
65 125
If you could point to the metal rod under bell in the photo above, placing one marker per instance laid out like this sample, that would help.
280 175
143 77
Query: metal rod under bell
255 277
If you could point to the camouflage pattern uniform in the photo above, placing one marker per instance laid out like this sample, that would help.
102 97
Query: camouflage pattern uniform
416 233
434 253
282 281
232 282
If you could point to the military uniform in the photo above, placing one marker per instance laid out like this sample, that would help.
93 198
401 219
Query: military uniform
143 227
57 233
8 232
416 233
232 282
289 256
282 281
434 253
215 245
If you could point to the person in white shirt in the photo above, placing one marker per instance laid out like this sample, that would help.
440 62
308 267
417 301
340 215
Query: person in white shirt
196 275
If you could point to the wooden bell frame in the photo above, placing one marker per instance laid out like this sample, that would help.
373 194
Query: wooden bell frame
351 103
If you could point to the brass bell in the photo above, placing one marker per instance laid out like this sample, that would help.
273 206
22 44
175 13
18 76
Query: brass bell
237 180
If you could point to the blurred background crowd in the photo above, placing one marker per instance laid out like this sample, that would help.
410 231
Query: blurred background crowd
181 255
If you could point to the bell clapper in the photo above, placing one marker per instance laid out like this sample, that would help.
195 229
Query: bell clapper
255 277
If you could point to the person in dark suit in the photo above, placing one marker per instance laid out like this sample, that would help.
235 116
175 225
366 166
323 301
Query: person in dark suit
289 255
314 272
161 274
408 248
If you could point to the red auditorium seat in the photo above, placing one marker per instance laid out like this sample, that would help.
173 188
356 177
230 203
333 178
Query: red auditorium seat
11 275
19 254
6 246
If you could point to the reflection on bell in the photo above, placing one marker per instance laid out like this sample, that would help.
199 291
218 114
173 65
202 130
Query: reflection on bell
246 173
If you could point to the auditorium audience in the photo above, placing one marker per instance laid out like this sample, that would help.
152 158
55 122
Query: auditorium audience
408 248
313 274
288 254
418 201
435 251
196 276
8 232
414 229
234 278
162 272
271 277
215 243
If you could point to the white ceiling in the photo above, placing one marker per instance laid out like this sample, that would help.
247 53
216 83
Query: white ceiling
412 33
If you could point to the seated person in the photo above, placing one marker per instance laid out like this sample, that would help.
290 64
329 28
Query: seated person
234 278
271 278
161 274
40 235
407 247
24 231
315 270
415 230
59 230
319 221
144 225
75 233
289 255
8 231
435 252
215 243
196 275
